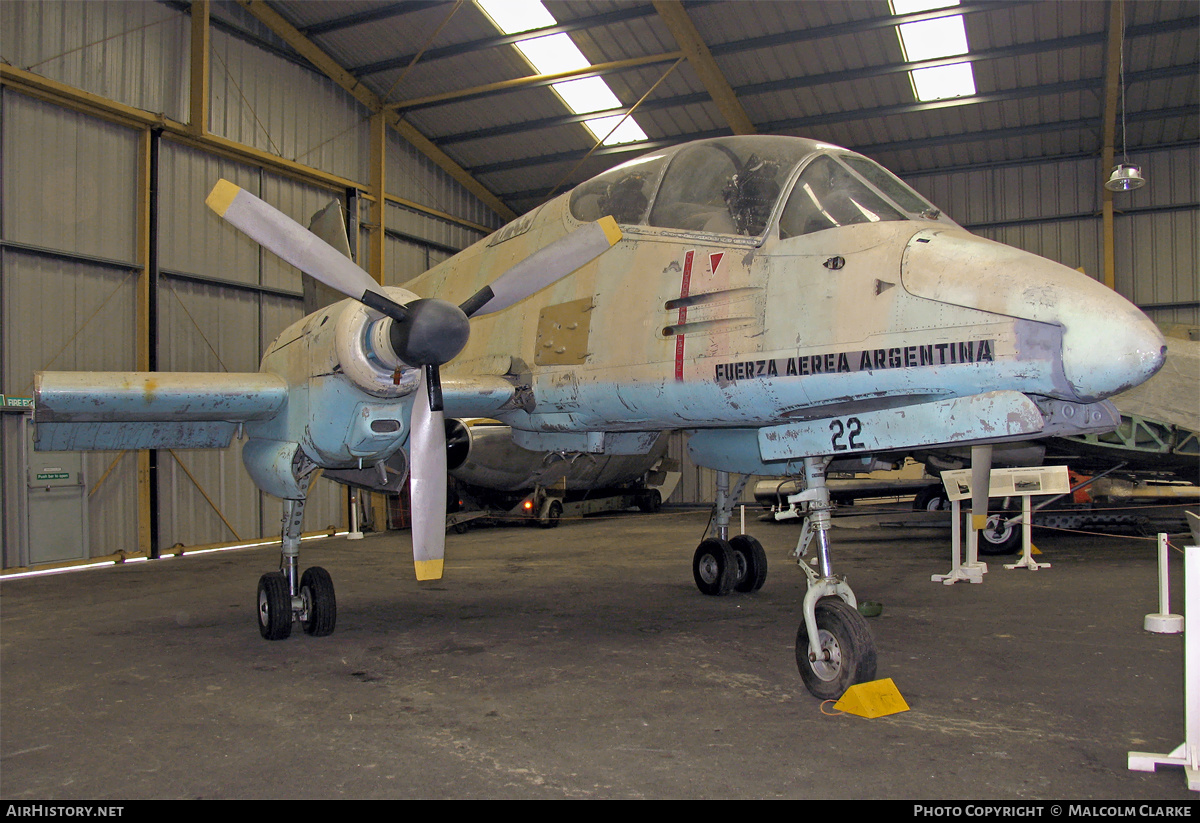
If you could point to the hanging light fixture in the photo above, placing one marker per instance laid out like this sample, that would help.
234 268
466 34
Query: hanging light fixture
1125 176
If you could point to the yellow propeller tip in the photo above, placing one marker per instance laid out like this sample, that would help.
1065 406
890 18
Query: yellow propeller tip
428 569
612 232
221 196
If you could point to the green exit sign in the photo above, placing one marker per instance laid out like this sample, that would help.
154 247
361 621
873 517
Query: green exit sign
54 476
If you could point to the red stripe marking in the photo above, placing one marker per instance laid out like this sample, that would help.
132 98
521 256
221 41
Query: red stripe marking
683 292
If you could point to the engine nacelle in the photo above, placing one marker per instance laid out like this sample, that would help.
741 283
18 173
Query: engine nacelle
345 386
362 344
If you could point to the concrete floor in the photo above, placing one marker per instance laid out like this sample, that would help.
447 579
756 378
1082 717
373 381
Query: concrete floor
581 662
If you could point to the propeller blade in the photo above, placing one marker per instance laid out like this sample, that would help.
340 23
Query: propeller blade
544 267
981 475
981 471
427 481
282 235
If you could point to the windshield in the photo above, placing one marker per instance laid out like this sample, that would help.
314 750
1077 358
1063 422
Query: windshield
624 192
733 185
828 195
729 185
890 185
726 186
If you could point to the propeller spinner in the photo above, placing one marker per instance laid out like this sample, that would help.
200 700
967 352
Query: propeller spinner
427 332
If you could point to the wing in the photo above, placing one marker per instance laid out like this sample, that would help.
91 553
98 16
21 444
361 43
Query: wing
149 410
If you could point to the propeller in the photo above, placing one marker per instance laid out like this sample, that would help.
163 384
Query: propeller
425 333
427 484
981 473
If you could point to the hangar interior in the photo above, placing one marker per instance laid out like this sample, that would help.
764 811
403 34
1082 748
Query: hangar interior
580 663
434 129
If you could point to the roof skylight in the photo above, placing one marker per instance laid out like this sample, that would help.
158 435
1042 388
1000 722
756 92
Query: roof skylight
929 40
556 53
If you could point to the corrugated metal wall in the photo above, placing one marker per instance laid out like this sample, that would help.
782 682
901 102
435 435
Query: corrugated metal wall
69 190
70 186
133 52
262 101
1053 209
221 301
68 225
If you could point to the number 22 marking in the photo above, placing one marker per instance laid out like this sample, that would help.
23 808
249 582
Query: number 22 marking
851 430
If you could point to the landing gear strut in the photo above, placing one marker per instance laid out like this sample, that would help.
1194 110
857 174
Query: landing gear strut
834 646
283 597
723 564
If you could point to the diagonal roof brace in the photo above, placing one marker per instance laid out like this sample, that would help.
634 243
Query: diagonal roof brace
315 55
692 44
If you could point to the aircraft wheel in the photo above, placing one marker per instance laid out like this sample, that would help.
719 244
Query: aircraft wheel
319 613
274 607
650 502
848 647
715 567
751 561
551 514
931 499
1005 540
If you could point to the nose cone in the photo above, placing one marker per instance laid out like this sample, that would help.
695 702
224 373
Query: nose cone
1109 345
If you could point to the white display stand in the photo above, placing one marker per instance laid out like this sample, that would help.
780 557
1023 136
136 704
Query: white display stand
1027 561
1023 483
1162 621
1187 754
971 571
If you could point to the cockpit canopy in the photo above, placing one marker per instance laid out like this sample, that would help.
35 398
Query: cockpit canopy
734 185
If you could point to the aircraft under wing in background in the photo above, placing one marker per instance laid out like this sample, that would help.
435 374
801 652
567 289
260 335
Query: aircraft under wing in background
786 302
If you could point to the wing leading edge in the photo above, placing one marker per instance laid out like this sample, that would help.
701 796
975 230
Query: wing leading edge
149 410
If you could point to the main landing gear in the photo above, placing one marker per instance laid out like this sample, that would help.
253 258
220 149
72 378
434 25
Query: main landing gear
284 599
722 564
834 646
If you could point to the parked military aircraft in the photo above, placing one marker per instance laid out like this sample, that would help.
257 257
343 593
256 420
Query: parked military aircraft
785 301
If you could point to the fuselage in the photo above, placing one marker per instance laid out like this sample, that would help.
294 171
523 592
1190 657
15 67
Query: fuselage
760 281
861 294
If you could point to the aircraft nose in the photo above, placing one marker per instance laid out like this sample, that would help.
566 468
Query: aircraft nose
1108 344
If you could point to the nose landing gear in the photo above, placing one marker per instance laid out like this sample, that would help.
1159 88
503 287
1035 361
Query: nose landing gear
834 645
843 652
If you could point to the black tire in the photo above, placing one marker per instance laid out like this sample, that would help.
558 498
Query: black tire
1005 540
650 501
553 513
319 614
715 567
274 607
752 563
845 635
931 499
